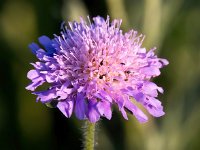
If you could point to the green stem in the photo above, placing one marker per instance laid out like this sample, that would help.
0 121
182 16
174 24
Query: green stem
89 132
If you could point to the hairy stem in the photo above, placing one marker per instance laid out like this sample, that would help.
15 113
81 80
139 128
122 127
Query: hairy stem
89 133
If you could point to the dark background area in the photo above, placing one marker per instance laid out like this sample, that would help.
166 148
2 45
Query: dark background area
173 26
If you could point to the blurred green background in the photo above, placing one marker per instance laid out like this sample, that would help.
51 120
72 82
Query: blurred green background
173 26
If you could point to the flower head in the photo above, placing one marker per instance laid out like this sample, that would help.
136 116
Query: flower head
90 67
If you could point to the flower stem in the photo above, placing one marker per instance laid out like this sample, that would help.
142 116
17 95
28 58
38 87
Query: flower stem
89 132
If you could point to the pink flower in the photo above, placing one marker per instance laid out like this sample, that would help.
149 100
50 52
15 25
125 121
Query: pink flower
91 67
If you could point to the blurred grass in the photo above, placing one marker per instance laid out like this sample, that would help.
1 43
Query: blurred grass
171 26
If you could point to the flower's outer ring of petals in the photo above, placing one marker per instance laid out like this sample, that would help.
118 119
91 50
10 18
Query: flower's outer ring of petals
141 117
37 82
154 107
34 47
80 106
104 109
120 102
46 96
47 43
32 74
66 107
93 114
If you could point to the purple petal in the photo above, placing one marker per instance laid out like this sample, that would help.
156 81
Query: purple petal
32 74
64 91
103 95
154 107
80 106
34 47
50 78
151 88
66 107
40 54
164 61
150 71
47 43
99 20
46 96
141 117
124 113
62 95
39 65
35 84
137 95
120 102
93 114
36 78
104 109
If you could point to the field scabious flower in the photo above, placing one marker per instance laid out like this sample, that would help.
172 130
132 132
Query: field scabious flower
90 67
